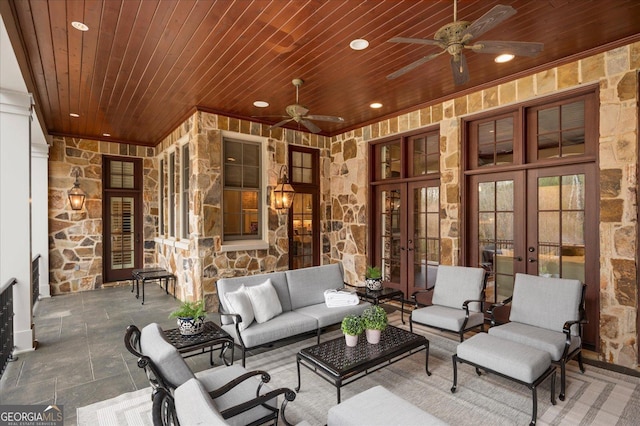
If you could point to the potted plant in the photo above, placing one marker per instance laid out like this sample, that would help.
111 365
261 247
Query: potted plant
373 278
374 319
352 327
190 317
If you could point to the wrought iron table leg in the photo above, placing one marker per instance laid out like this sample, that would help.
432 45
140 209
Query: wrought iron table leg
454 358
426 363
298 364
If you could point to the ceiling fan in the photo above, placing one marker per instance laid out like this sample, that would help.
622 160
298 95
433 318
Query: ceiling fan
298 113
457 36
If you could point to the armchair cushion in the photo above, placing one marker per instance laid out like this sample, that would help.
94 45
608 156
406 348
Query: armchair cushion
164 355
558 298
195 407
544 339
446 318
455 284
217 377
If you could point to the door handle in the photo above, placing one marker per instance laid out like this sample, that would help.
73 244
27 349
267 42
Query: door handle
531 260
518 258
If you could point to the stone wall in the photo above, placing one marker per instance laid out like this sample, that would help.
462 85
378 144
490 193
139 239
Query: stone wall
200 261
75 237
616 72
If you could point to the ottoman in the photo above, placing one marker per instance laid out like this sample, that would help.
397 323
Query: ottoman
514 361
377 406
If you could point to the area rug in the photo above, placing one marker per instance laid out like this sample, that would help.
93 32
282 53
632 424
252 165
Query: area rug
597 397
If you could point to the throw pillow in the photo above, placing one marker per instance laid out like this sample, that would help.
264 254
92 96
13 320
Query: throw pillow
239 303
264 301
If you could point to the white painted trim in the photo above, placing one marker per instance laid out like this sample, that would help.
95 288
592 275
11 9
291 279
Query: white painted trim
244 245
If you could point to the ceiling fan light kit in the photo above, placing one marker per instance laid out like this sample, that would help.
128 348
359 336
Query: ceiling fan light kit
456 36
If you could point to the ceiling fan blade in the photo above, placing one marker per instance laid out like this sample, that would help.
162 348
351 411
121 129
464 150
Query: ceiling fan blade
309 125
489 20
325 118
460 70
414 40
280 124
518 48
413 65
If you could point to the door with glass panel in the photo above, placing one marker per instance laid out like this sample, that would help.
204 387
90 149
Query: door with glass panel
122 218
406 212
304 223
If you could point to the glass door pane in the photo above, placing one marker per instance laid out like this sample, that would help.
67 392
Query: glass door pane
302 217
424 232
122 232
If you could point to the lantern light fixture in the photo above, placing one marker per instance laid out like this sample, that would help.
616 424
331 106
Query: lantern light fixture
283 192
76 195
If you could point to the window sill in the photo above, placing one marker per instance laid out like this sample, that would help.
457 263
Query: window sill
244 245
172 242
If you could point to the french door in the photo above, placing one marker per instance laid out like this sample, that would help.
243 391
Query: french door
122 205
536 222
407 232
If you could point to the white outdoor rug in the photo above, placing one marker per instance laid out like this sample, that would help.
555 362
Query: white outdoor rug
597 397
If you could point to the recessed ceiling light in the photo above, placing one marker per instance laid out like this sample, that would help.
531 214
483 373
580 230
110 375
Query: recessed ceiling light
376 105
74 115
106 134
261 104
359 44
79 26
505 57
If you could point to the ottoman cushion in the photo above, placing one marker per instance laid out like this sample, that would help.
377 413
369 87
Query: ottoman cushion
512 359
379 407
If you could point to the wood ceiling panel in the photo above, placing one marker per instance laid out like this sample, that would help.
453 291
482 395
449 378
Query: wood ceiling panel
144 65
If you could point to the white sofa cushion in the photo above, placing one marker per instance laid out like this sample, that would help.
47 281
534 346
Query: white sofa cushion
307 285
284 325
238 302
264 301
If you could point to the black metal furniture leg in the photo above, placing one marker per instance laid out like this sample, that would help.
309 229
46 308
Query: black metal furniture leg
298 365
426 362
143 291
553 388
534 414
563 367
454 358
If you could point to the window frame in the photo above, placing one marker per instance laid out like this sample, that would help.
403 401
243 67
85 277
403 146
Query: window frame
171 202
261 242
161 198
185 171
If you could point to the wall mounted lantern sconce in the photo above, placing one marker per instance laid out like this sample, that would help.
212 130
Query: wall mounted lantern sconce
76 195
283 192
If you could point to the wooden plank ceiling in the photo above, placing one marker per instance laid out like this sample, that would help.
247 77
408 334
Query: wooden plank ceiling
145 65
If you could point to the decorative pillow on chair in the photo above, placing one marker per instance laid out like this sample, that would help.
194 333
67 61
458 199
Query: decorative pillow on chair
264 300
240 304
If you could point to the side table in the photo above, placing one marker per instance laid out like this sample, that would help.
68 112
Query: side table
376 296
212 338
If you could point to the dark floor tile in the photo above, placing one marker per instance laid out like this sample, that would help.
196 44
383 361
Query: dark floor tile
30 393
94 391
107 365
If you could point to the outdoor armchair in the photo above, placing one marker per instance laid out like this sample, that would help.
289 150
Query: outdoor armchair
547 314
457 302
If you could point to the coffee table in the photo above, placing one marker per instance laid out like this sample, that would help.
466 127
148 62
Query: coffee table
151 274
211 339
340 365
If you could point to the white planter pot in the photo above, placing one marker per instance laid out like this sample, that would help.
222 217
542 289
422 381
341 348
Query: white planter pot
190 326
373 336
374 284
351 340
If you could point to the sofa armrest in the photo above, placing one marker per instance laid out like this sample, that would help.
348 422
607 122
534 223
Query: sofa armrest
496 306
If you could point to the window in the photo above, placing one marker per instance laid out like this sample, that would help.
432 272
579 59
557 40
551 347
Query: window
172 195
185 190
242 195
161 199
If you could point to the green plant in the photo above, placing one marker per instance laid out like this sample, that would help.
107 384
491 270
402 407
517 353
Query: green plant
374 317
373 272
189 310
352 325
